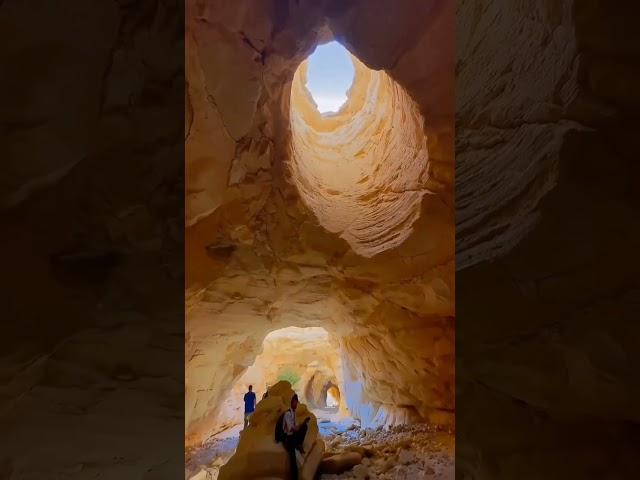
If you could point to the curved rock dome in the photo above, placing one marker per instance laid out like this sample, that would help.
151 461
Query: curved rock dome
363 170
344 221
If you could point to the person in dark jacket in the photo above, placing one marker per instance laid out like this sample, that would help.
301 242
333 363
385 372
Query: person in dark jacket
249 405
294 435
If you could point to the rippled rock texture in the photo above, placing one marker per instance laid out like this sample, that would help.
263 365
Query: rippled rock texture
547 237
91 211
343 222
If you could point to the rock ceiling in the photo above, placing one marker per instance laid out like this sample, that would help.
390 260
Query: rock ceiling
342 222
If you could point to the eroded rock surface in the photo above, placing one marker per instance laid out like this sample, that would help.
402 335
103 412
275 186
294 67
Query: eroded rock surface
293 220
304 356
259 456
362 171
547 239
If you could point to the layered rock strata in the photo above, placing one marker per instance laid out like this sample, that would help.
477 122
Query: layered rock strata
295 220
304 357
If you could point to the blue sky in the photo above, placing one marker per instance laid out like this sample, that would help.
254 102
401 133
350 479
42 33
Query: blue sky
329 76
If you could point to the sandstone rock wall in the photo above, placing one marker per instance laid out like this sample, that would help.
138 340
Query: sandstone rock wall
305 355
547 233
260 257
363 170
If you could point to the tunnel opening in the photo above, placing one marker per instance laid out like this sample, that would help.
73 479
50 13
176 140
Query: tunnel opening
303 356
332 396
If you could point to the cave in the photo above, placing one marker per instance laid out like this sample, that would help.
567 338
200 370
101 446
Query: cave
308 358
547 231
326 229
332 396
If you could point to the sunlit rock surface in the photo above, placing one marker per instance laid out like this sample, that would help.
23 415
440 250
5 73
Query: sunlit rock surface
362 171
304 357
344 223
258 456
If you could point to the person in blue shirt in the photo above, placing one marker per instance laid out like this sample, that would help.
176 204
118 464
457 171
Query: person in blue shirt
249 405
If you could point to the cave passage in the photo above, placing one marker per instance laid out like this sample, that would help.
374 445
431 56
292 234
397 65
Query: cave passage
332 397
331 265
305 357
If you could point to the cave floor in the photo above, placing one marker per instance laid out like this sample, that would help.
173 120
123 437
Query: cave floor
212 454
402 452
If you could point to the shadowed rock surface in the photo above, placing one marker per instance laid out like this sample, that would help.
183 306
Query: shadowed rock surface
91 208
547 237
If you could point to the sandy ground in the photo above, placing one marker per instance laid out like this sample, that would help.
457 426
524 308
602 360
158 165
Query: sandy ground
411 452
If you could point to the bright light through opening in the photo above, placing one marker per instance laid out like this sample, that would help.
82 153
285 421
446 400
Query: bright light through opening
332 401
329 76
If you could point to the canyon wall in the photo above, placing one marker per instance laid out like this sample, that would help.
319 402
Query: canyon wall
363 170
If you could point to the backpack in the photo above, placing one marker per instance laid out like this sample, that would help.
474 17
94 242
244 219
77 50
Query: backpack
279 434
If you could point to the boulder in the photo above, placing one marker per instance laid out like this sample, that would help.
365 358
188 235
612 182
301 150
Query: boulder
259 456
312 461
340 463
